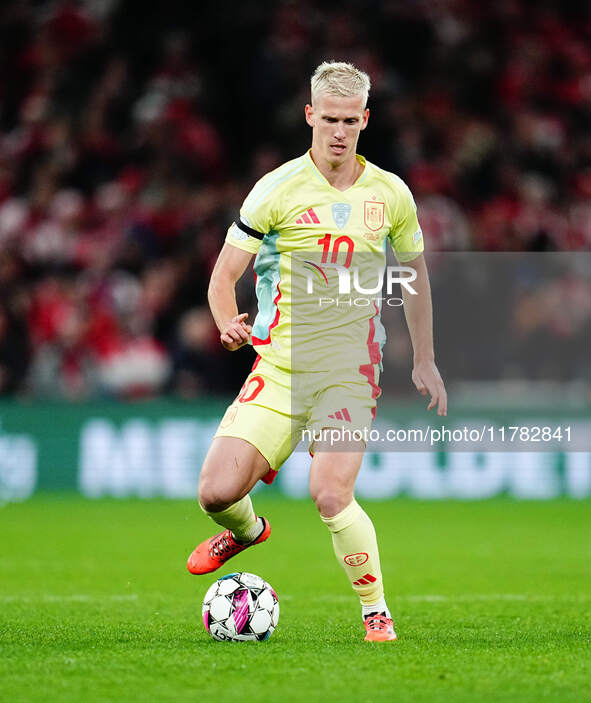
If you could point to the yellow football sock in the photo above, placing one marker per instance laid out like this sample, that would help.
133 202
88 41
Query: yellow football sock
356 548
239 518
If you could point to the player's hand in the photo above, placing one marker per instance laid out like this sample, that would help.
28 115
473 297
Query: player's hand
236 333
427 379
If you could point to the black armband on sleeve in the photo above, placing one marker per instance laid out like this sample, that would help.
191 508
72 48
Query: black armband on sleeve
248 230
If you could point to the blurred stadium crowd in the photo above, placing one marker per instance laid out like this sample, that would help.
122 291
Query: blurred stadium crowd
131 132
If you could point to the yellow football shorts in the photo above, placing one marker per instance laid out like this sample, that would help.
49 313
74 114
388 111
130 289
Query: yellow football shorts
275 406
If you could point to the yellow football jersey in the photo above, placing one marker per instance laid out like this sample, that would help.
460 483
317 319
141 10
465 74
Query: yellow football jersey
319 254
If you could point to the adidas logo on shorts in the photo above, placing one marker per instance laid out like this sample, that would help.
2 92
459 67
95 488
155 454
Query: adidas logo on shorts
342 414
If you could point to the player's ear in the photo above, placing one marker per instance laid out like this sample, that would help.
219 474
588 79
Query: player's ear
309 115
365 118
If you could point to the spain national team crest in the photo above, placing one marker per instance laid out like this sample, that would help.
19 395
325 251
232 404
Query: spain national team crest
373 214
341 213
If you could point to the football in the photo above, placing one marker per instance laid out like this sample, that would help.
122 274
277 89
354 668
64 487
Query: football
240 607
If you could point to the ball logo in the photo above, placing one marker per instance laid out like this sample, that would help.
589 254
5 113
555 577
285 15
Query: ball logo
356 559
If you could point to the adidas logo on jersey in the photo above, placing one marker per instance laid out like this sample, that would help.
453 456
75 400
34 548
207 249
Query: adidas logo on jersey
342 414
308 217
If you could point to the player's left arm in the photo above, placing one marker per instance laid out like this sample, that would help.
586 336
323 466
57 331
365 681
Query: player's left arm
419 318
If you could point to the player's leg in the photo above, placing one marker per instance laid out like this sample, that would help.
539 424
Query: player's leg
252 441
230 470
332 480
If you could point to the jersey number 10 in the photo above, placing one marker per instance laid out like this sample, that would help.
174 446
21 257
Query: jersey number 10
339 242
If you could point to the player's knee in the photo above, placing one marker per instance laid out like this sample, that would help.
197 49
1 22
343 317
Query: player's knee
214 497
330 502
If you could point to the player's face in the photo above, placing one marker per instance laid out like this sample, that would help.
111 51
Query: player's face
336 122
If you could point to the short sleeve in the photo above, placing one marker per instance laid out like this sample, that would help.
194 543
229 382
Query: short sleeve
257 218
405 236
238 238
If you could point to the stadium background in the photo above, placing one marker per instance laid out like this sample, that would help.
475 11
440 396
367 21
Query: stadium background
132 131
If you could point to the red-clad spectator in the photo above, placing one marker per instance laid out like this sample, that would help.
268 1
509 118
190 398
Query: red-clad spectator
126 150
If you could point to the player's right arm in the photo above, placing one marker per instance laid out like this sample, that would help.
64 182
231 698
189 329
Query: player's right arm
229 267
243 241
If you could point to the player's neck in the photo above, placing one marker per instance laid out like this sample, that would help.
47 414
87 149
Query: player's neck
341 176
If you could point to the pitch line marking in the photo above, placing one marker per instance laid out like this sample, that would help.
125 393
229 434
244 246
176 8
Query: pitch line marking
412 598
464 598
70 598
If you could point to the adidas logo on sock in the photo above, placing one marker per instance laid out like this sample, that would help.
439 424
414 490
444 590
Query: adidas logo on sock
364 580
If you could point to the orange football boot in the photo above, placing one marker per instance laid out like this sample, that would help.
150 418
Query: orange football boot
215 551
379 628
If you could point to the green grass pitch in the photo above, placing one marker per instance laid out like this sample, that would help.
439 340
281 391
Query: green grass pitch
491 602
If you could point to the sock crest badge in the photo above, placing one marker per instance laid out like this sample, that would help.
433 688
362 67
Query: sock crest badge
356 559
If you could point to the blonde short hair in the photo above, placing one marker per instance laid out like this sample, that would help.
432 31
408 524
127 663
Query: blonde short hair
340 78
